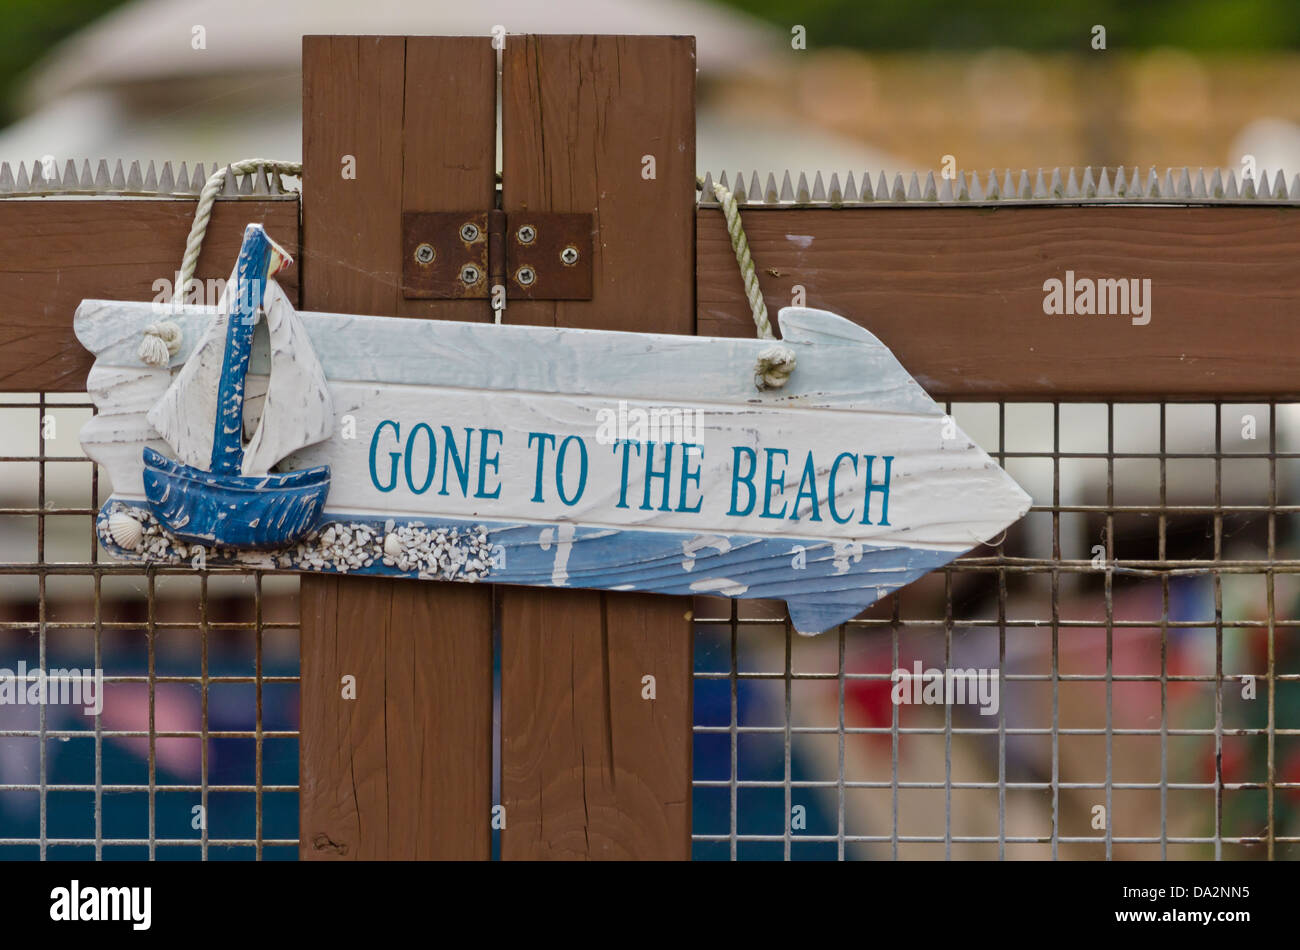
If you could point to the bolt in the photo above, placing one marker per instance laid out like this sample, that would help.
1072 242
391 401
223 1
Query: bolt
469 232
469 275
525 275
569 255
527 234
424 254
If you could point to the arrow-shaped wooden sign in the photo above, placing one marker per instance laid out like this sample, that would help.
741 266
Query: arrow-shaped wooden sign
530 455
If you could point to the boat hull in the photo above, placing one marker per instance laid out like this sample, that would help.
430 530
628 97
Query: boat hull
237 511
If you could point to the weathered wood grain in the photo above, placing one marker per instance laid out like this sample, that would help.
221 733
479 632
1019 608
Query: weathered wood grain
409 776
957 294
583 778
56 253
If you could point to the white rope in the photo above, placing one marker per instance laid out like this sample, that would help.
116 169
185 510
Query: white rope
775 363
162 340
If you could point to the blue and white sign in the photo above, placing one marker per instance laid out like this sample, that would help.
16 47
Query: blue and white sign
530 455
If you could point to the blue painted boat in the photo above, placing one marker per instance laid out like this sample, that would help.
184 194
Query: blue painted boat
232 503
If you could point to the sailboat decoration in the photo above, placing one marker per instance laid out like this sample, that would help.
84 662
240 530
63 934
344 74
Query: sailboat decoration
221 491
540 456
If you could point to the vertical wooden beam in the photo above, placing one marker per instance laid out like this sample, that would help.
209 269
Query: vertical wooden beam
403 770
590 769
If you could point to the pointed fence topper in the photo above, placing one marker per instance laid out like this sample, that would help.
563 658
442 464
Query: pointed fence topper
529 455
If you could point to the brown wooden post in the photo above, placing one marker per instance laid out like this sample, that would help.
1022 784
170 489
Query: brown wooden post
590 769
403 770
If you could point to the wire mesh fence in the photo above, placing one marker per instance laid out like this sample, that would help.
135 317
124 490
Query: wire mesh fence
194 751
1139 626
1137 630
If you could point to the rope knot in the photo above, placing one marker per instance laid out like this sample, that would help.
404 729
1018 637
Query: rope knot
161 342
774 366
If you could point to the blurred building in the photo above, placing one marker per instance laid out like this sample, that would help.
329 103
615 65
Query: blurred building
133 86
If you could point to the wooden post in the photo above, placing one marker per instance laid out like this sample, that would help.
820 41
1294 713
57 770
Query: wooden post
404 769
590 768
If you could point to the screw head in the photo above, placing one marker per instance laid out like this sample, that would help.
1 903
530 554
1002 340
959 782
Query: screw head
526 234
469 275
469 232
569 255
424 254
525 275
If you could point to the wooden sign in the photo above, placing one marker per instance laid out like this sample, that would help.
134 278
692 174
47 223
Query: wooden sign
528 455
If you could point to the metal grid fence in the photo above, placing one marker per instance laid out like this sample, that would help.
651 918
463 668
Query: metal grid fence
164 777
1142 714
1139 624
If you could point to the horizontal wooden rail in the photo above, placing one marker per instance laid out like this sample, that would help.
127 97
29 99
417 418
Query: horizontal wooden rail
958 294
55 252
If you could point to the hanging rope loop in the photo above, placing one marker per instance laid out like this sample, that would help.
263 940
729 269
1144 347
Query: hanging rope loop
775 363
162 340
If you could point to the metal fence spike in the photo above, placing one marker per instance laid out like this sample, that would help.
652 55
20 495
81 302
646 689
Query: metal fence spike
1230 189
787 189
739 190
1072 185
1198 186
945 190
1088 187
1153 183
24 183
882 187
850 190
167 181
151 179
1040 186
1216 184
1248 187
963 189
134 180
723 180
230 187
819 188
260 186
6 179
1121 182
867 194
70 180
755 190
801 193
835 194
87 178
931 193
1279 185
913 192
199 180
38 176
119 177
1055 188
1185 183
1104 188
771 195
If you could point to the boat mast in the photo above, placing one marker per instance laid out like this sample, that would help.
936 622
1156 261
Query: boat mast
259 259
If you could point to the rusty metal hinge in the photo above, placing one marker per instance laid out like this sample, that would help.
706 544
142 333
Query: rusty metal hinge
543 255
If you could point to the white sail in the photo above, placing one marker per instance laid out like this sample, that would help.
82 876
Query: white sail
186 415
298 410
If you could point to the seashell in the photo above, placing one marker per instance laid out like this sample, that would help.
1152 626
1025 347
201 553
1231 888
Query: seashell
393 546
126 530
